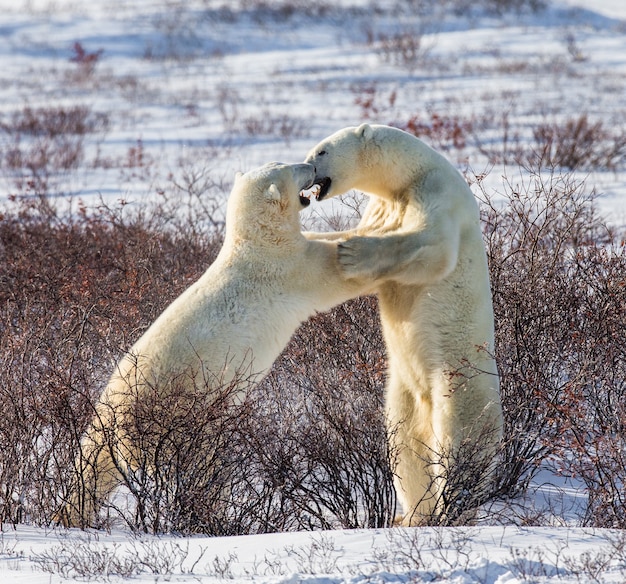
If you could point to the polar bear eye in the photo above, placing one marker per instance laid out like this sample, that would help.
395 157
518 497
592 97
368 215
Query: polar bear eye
321 153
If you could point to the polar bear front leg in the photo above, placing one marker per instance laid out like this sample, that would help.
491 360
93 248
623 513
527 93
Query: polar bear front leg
414 258
327 235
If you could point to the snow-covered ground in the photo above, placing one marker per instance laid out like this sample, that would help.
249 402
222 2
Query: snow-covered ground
489 555
181 95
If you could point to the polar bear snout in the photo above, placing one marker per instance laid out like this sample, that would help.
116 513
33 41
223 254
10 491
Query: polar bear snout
306 182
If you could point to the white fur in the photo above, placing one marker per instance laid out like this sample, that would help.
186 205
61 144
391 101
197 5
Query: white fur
233 322
420 240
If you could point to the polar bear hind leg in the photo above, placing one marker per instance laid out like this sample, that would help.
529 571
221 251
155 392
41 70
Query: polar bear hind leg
411 450
95 477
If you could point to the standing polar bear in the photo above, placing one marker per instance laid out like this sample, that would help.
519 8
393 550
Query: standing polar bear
228 327
420 240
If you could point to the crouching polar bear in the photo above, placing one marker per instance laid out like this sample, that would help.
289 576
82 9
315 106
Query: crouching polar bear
229 325
419 239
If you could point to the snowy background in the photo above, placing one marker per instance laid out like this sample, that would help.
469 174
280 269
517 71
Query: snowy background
176 94
170 88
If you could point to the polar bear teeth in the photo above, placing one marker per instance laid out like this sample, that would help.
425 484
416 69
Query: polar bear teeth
307 193
305 199
323 185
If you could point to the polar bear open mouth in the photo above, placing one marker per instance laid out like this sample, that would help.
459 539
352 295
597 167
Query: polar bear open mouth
309 190
305 198
324 187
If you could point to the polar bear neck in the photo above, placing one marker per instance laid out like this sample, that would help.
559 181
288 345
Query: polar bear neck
395 153
391 186
274 238
272 226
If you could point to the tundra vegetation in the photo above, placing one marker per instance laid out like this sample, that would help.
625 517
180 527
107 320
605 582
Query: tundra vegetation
81 278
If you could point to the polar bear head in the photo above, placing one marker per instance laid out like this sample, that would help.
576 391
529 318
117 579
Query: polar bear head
265 202
371 158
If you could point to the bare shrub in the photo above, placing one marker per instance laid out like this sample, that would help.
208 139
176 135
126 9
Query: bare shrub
279 10
576 143
406 48
86 558
222 566
371 103
467 476
617 540
268 122
407 38
572 46
319 556
557 281
41 142
579 143
200 193
321 440
590 566
309 447
444 132
73 289
499 7
55 121
76 289
528 244
593 405
272 124
229 102
508 147
530 564
86 61
431 553
303 451
177 448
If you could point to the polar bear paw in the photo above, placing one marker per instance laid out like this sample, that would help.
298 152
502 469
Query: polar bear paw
359 256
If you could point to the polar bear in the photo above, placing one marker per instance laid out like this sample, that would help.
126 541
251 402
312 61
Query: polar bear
420 240
229 326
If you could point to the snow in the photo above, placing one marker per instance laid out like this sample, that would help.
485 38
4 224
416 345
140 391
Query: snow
487 555
187 89
237 93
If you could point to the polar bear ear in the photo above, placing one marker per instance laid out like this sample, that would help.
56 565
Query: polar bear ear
365 131
272 193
